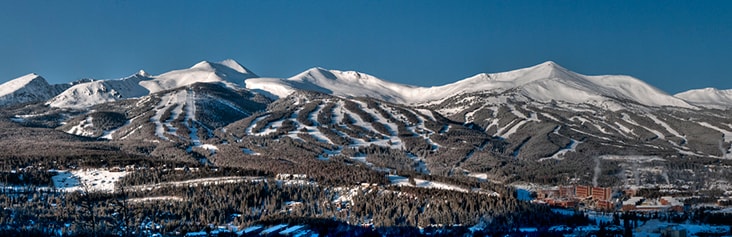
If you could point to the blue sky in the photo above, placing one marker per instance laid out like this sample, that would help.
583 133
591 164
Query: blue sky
673 45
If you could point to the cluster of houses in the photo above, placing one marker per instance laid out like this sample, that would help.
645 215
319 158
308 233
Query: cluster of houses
573 196
601 198
666 203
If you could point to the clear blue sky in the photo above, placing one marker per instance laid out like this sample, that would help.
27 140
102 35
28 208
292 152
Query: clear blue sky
674 45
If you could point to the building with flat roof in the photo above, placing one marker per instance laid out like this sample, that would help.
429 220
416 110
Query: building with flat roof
631 203
599 193
566 191
582 191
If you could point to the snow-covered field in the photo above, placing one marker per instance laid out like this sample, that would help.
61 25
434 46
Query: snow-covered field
533 82
420 183
196 182
158 198
94 179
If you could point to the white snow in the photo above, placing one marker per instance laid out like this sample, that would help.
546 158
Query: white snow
559 155
84 95
98 180
420 183
511 129
639 159
158 198
27 88
665 125
273 229
110 133
708 97
227 72
479 176
178 101
81 128
544 82
727 138
627 118
196 182
292 229
550 117
250 152
623 128
427 113
210 147
252 229
17 83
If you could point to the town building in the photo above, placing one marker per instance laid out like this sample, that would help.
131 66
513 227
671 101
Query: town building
600 193
582 191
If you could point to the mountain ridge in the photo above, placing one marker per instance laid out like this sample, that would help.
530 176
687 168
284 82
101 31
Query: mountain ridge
83 95
537 124
708 97
29 88
544 82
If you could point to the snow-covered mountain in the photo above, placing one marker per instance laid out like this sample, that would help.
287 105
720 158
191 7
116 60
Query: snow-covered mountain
708 97
184 114
543 122
549 81
334 82
227 72
28 89
544 82
101 91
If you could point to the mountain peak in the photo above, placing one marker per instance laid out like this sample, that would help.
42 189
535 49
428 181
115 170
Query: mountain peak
336 75
550 67
206 65
23 81
315 73
231 63
228 64
27 88
30 77
708 97
549 64
143 73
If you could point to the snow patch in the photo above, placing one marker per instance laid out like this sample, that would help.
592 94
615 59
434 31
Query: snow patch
97 180
420 183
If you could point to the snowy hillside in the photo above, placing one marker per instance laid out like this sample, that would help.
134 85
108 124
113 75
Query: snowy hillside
27 89
708 97
227 72
544 82
334 82
96 92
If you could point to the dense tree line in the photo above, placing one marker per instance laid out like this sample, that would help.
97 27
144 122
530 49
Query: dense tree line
248 203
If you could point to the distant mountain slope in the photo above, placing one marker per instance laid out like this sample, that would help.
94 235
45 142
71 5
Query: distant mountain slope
708 97
30 88
334 82
185 114
96 92
227 72
544 82
541 124
319 126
